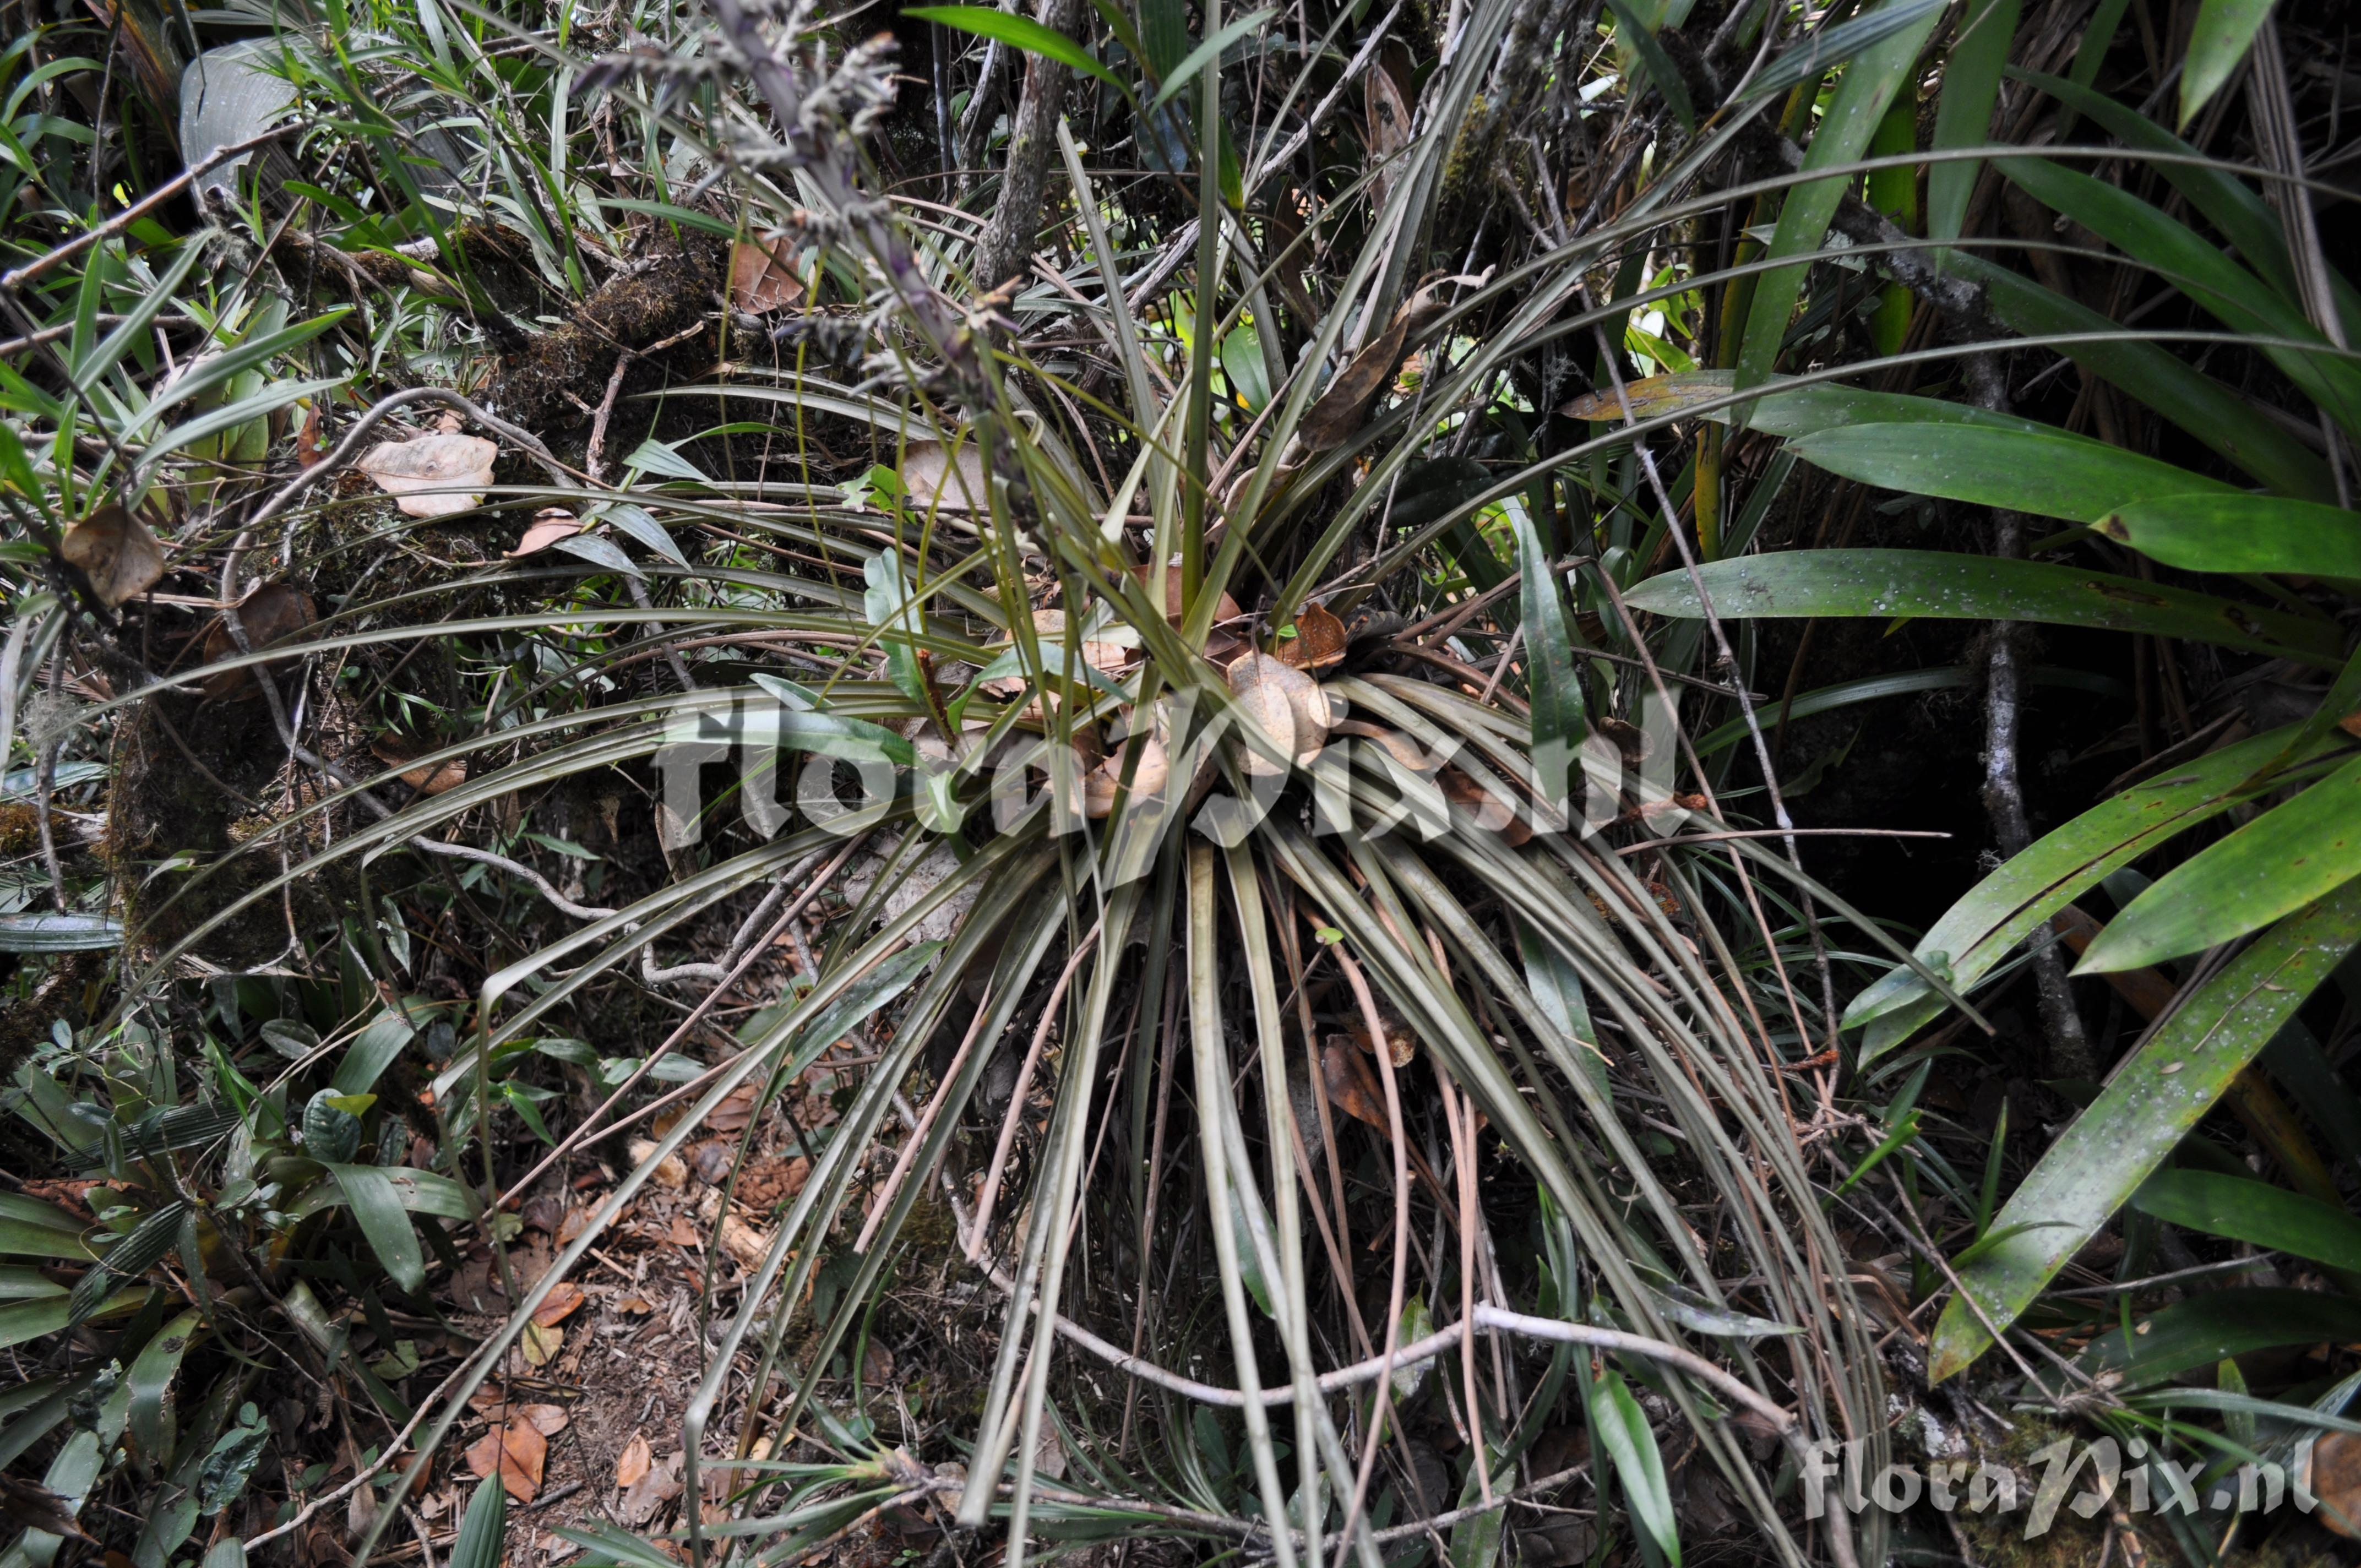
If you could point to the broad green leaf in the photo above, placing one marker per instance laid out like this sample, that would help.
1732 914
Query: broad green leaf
2224 200
134 326
2217 1325
1241 365
2241 533
371 1052
31 1228
1832 47
2245 1210
1416 1324
1623 1432
2050 474
1975 934
273 397
653 456
1633 31
2289 856
151 1375
2227 423
2217 46
603 553
420 1191
1019 32
893 613
48 931
1476 1540
2189 261
1943 587
483 1527
1211 49
377 1208
133 1254
330 1133
1560 718
2153 1100
224 367
1971 72
1869 82
1776 407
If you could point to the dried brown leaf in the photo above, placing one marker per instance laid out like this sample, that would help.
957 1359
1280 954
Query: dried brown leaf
546 1419
550 524
564 1298
634 1461
115 551
762 276
671 1172
517 1450
1318 642
394 753
932 478
432 475
1148 778
651 1492
1345 406
736 1109
1352 1087
270 614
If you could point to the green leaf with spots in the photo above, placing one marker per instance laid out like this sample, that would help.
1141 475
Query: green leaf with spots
2145 1110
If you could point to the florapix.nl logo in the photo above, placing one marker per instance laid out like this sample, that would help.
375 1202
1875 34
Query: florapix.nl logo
2087 1478
1194 756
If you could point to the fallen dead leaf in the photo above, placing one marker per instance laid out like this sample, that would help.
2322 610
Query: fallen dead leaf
736 1109
549 525
1490 810
309 445
394 753
432 475
1227 608
634 1461
564 1298
637 1306
2331 1471
766 1183
1387 124
1287 703
270 614
1352 1087
762 276
685 1233
1318 642
1401 1044
517 1450
1050 626
651 1492
2351 725
575 1221
1344 406
115 551
671 1172
1148 779
546 1419
742 1241
933 479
